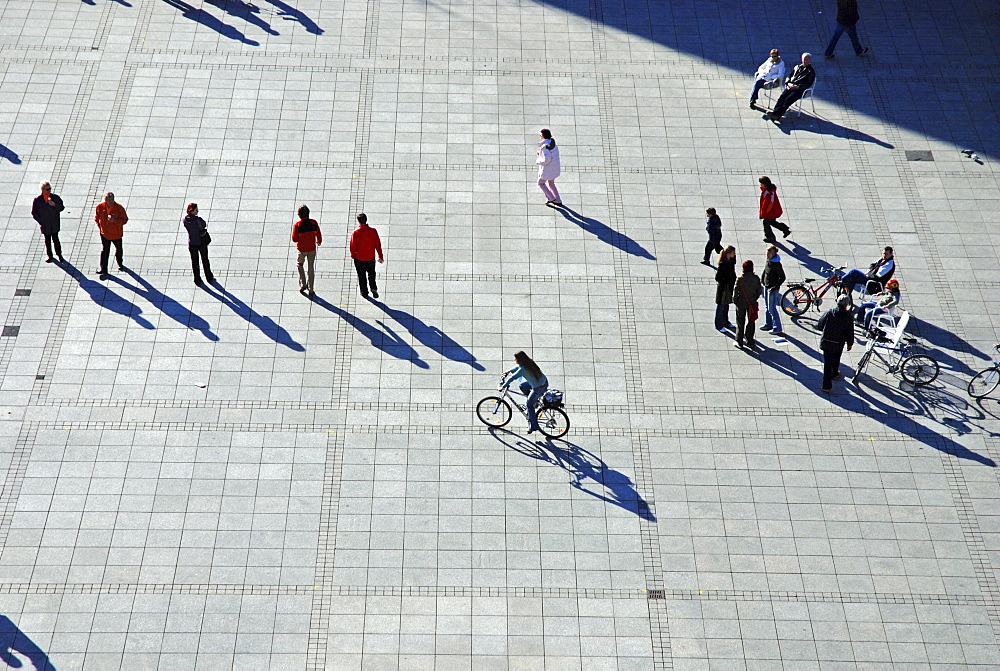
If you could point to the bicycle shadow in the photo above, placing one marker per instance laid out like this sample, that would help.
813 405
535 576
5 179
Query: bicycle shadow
385 340
586 469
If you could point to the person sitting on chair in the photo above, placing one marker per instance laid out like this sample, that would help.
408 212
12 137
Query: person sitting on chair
802 79
879 272
768 76
879 304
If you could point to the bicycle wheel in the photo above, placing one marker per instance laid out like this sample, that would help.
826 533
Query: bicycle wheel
553 422
861 365
795 301
493 411
984 382
919 369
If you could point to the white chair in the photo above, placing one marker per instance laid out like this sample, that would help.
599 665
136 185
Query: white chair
808 94
770 87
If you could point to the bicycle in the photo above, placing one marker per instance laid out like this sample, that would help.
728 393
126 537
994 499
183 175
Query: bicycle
917 369
495 411
800 296
985 381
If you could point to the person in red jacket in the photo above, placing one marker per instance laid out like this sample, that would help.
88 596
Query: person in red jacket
770 210
110 218
365 244
306 236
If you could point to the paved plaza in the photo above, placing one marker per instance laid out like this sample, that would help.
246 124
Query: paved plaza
240 476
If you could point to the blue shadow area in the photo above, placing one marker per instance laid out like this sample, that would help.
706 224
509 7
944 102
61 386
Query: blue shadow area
13 640
165 304
267 326
588 471
9 154
246 11
210 21
431 336
605 233
289 13
105 297
384 339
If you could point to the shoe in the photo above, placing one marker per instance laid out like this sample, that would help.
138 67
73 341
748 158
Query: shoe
121 268
364 294
786 233
198 282
705 263
210 278
765 328
374 294
738 345
771 240
557 203
830 57
777 334
532 430
864 52
836 377
101 271
312 293
61 259
549 202
724 330
828 390
732 326
49 260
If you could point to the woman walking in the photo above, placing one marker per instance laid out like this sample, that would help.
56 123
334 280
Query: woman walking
548 167
725 278
714 228
306 236
745 296
198 241
534 386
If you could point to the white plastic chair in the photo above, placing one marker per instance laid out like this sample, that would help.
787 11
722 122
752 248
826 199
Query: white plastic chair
770 87
808 94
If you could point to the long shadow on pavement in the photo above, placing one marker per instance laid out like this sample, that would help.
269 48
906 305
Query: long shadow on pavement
14 644
105 297
431 336
166 304
267 326
385 340
605 233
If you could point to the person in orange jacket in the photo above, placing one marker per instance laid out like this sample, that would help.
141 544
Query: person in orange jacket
307 237
110 218
770 210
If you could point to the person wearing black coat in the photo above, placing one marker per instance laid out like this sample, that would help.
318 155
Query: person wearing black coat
725 278
198 239
45 210
838 330
714 228
847 21
772 278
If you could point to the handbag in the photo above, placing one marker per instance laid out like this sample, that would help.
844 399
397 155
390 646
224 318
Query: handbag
206 238
753 310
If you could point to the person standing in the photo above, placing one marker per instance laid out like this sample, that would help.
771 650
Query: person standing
770 210
307 236
772 278
714 228
45 210
745 295
802 79
110 218
534 385
847 20
198 241
725 279
547 158
838 330
365 244
768 75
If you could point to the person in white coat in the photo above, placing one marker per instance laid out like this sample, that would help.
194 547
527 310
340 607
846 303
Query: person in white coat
548 167
770 74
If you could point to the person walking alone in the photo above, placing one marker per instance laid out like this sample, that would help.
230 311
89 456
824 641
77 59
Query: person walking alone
847 21
45 210
714 228
838 330
770 210
745 295
365 244
111 218
198 241
725 279
307 237
548 166
772 278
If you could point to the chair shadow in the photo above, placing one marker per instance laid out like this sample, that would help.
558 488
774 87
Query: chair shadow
204 18
605 233
166 304
267 326
385 340
586 469
105 297
431 336
9 154
827 127
942 340
15 644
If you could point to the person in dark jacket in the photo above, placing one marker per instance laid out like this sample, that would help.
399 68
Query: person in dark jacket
45 210
198 239
803 77
838 330
714 228
847 20
745 293
772 278
725 278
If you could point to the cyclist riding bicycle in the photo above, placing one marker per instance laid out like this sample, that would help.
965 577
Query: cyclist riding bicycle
534 386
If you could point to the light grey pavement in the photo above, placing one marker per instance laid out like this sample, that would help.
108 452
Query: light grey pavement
237 476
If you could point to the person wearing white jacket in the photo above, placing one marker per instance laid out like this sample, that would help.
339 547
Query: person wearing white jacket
548 167
769 74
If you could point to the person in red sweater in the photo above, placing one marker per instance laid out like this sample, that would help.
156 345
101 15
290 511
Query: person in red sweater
306 236
110 218
770 210
364 245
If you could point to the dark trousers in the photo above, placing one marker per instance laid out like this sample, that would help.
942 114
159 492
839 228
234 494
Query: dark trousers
50 240
106 252
786 100
722 315
744 327
769 223
852 31
366 275
831 363
714 244
202 251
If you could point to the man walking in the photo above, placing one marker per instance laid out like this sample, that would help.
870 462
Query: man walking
838 330
365 244
770 210
110 218
802 79
306 236
847 20
714 228
768 75
45 210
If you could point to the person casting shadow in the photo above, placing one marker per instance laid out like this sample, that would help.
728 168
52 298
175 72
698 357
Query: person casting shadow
209 21
166 304
605 233
105 297
9 154
267 326
14 643
290 13
431 336
386 340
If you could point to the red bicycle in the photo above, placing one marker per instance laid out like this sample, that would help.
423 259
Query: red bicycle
800 296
